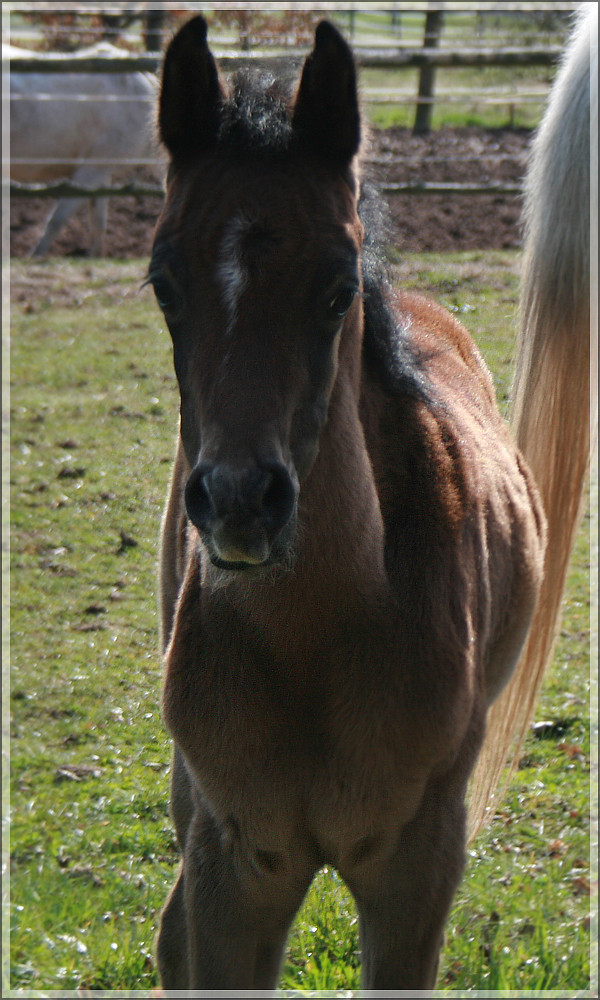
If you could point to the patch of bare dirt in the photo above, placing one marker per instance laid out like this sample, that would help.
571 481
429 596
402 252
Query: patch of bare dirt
420 222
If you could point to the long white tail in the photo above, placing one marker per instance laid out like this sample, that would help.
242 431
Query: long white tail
554 410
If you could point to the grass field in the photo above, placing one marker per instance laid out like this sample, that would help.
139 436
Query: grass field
93 407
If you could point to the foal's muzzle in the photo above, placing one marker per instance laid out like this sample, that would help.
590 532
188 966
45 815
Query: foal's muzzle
244 515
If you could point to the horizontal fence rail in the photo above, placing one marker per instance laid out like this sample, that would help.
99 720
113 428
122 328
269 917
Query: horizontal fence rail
465 97
66 189
371 95
392 58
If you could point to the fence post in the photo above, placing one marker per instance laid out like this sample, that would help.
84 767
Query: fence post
433 28
114 24
153 25
243 19
351 21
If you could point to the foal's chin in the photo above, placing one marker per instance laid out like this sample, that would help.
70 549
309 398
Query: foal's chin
219 573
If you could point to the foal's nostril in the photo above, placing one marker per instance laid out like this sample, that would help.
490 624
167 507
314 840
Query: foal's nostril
198 503
279 497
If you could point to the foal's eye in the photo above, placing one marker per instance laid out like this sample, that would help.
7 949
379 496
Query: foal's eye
164 292
340 305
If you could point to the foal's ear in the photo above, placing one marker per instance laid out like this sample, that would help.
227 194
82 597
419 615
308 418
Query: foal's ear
326 114
191 92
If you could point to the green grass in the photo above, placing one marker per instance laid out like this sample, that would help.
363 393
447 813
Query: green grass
471 109
92 854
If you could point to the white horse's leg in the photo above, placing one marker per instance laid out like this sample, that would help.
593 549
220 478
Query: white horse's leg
85 176
58 218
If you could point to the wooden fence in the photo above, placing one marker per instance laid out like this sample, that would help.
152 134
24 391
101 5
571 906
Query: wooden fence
367 58
66 189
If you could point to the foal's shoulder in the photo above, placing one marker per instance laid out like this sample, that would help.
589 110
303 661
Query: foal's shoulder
434 432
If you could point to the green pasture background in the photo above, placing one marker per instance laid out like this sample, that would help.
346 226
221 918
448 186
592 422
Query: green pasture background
93 411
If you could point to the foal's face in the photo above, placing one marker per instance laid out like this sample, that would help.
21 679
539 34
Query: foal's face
256 267
257 271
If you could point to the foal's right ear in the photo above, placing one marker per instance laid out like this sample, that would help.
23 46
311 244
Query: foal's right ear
191 92
326 114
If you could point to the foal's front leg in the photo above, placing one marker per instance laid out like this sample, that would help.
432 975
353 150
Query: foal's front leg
238 915
403 906
172 948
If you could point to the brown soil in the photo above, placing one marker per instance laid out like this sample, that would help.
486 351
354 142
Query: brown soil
421 222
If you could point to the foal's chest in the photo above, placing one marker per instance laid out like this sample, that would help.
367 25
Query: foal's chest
323 743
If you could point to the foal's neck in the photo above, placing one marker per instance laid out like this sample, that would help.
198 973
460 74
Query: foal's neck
339 507
339 572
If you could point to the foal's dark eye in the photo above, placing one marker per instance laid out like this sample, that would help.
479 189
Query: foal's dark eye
340 305
164 292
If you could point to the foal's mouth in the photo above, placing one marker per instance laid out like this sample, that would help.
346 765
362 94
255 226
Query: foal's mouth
240 566
280 560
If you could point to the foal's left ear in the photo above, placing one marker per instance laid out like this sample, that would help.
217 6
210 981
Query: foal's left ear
191 94
326 115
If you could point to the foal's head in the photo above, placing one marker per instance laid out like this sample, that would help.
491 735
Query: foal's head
256 265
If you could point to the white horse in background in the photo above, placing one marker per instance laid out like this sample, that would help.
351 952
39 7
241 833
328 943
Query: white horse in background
80 127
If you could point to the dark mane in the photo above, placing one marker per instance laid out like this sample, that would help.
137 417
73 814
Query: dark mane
387 352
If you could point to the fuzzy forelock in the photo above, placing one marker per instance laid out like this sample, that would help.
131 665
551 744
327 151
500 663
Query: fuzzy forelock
255 117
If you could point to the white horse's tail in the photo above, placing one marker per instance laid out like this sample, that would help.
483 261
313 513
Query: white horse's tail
554 409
